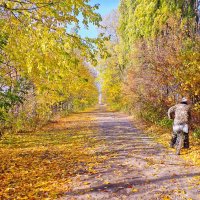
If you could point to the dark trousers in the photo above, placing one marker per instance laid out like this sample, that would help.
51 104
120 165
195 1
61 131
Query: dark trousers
174 138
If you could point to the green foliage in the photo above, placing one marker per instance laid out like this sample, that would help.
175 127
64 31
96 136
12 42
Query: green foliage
3 40
165 122
14 94
196 133
11 96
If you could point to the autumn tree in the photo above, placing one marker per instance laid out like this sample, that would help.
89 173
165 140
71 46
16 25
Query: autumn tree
38 47
158 50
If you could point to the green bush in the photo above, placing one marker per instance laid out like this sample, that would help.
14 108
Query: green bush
196 133
165 122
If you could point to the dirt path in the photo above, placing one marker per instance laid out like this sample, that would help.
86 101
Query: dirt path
136 168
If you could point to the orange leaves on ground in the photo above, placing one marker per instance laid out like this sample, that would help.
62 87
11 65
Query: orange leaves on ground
40 165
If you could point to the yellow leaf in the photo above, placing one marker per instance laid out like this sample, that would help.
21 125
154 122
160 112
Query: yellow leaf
166 198
134 190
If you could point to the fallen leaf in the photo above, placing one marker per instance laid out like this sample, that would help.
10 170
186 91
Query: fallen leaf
134 190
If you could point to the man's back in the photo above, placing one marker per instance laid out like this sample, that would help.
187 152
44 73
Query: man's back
182 113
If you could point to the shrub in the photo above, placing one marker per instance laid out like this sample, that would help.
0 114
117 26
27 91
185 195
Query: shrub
196 133
165 122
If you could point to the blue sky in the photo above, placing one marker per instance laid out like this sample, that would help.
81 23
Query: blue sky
106 6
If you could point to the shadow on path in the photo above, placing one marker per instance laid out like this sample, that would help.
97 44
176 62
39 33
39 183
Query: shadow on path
136 166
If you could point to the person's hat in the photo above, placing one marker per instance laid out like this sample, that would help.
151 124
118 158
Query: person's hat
184 99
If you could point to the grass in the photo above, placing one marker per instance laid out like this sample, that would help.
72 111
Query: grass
40 165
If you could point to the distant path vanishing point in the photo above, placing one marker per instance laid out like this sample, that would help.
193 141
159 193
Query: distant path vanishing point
140 168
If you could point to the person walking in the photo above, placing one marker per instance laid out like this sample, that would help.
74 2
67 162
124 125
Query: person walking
182 116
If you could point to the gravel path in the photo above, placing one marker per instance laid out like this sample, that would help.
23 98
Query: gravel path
137 167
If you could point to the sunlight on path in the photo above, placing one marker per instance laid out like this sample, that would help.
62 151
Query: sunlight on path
136 168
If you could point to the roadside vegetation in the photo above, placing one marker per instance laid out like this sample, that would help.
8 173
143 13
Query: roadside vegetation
44 62
154 59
